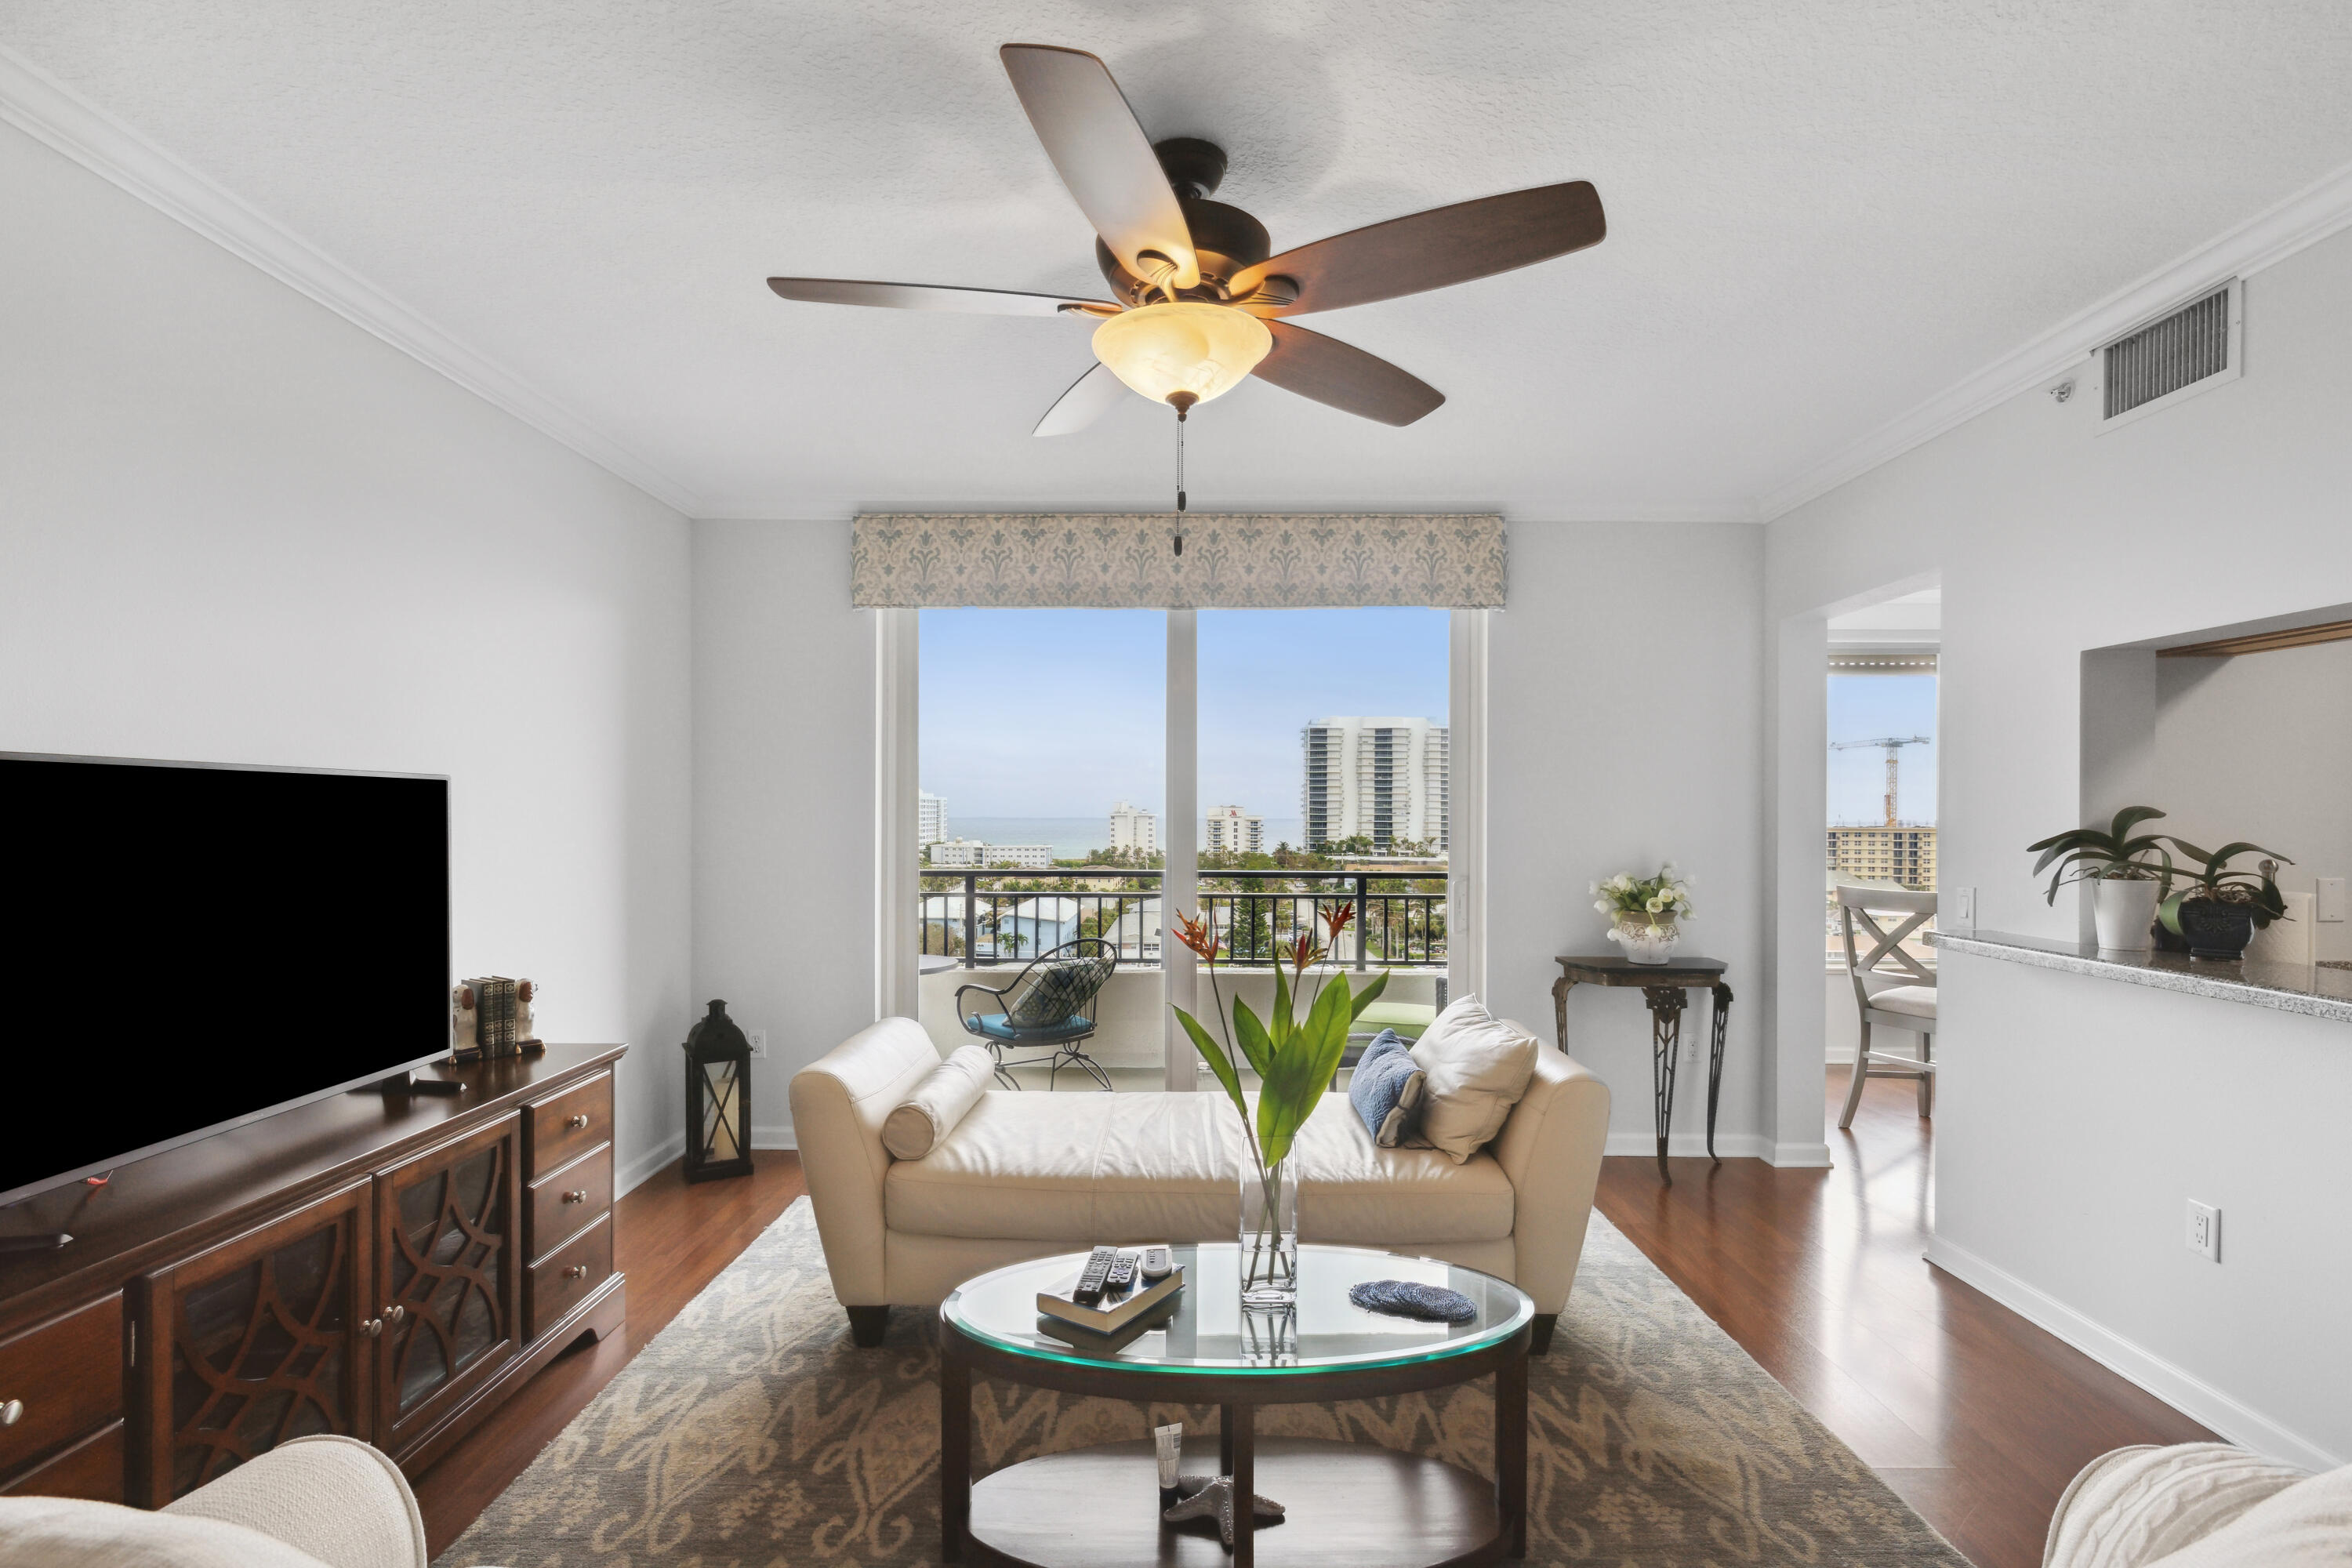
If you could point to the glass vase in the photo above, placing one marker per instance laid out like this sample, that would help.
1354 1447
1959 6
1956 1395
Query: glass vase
1269 1235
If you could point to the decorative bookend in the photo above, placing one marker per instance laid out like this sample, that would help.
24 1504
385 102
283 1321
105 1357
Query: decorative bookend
465 1044
718 1099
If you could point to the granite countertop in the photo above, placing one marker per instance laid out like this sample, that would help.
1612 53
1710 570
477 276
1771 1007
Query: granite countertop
2314 991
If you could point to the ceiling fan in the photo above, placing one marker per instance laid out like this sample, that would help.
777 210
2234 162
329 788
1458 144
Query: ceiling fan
1201 302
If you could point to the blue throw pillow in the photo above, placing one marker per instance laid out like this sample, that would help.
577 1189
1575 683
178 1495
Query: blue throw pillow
1386 1089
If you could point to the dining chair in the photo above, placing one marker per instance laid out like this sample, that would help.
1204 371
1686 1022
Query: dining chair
1892 989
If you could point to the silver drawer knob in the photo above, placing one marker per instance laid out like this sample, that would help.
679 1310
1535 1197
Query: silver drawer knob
577 1196
577 1122
577 1271
12 1412
372 1326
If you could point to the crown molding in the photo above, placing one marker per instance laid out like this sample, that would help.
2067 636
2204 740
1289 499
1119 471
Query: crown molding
804 507
2304 218
54 114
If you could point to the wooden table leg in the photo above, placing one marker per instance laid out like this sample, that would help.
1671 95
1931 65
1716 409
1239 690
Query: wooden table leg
1559 1010
1511 1451
1241 1431
955 1450
1665 1042
1722 1021
1225 1420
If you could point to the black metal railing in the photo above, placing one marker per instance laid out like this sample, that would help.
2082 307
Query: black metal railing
1003 917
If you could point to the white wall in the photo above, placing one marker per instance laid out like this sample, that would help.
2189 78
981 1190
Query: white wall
2075 1116
1626 730
783 795
236 528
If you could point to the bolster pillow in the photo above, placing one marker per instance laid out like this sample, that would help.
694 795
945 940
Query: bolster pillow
937 1103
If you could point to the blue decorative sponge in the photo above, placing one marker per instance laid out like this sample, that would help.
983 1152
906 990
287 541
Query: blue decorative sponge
1404 1299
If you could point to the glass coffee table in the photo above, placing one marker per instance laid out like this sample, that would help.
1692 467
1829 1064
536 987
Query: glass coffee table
1347 1503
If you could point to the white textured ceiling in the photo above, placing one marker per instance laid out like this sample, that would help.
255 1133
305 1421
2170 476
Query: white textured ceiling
1821 214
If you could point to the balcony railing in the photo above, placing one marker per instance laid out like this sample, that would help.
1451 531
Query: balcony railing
1399 920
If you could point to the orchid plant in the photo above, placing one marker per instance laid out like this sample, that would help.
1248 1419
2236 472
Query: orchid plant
1295 1056
1663 899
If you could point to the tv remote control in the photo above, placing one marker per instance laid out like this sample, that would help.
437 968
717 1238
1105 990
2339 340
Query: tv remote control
1088 1291
1122 1279
1157 1264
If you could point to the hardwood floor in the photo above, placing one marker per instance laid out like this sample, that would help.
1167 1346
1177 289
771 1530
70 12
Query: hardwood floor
1976 1418
670 1239
1974 1415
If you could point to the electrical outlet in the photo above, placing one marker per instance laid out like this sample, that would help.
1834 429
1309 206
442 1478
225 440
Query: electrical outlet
758 1038
2205 1229
2331 899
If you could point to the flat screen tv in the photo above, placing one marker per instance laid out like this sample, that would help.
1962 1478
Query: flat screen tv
189 947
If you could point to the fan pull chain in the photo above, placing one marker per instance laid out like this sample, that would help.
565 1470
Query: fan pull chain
1179 468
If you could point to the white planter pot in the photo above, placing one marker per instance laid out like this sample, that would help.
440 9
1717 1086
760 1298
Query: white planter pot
2123 911
1644 942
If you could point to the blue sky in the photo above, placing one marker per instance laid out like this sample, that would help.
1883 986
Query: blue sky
1063 712
1862 708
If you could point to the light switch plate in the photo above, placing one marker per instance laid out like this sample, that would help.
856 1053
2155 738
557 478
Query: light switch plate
2205 1230
1956 911
2331 898
758 1038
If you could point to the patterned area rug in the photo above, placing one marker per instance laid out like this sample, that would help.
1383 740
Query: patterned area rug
751 1434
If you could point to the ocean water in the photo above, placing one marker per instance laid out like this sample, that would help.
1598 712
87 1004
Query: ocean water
1072 837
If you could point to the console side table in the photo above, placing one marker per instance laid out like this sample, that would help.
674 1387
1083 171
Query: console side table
1662 987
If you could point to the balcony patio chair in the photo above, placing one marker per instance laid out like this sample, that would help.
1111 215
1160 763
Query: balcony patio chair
1891 988
1049 1003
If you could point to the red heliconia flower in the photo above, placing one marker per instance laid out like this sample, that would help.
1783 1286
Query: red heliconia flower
1304 951
1200 935
1337 919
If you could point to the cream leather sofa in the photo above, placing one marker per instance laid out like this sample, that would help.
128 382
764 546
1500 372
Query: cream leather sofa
1030 1175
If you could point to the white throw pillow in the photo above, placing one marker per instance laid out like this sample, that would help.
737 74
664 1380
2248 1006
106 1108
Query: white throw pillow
65 1532
938 1102
1478 1067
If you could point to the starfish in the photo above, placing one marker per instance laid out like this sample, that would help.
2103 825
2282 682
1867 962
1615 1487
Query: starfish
1207 1497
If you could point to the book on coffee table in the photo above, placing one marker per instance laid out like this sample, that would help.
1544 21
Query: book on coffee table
1112 1315
1115 1341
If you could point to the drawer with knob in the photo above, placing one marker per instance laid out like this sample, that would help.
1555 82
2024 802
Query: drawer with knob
558 1130
563 1279
59 1382
565 1202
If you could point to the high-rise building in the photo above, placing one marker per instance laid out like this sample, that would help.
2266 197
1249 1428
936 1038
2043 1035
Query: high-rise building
1229 827
1131 828
1876 854
931 818
1382 779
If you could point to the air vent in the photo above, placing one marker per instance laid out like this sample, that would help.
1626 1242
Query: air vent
2194 347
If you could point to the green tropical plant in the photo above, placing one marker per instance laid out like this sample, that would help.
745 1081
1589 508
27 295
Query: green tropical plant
1294 1057
2210 877
2090 854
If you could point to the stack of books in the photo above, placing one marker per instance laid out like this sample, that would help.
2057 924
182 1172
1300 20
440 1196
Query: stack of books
1113 1324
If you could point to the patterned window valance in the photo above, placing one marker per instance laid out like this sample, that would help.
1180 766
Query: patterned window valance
1129 561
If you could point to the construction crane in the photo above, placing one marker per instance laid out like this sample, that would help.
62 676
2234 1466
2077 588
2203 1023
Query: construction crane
1894 744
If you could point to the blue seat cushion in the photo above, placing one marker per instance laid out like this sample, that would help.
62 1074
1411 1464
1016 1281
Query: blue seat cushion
994 1027
1386 1090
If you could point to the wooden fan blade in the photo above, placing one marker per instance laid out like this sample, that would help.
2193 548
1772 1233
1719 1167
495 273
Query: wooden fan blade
1103 156
1344 376
933 296
1089 399
1434 249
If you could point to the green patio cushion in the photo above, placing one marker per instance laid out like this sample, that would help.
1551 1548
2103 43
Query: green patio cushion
1407 1018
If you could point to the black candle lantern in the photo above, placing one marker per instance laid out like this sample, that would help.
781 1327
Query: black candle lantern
718 1099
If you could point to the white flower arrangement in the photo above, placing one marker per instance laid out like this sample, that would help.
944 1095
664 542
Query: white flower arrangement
1664 898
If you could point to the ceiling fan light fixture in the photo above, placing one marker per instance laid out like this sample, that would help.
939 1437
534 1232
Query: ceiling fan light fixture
1182 353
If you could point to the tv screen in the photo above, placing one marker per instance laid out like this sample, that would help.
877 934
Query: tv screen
191 947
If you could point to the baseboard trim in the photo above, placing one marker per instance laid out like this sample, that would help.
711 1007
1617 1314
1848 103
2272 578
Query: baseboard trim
2184 1391
631 1176
1800 1157
1687 1145
777 1137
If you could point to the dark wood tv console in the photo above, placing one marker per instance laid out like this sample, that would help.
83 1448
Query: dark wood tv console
386 1265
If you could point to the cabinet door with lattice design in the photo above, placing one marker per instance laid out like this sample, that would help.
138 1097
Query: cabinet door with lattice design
448 1279
254 1341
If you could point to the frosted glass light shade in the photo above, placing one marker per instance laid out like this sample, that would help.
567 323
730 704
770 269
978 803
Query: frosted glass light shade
1191 347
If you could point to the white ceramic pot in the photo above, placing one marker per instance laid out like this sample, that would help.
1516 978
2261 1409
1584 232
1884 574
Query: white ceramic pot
2123 908
1644 942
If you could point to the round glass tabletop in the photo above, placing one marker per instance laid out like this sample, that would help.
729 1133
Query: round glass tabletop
1210 1332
